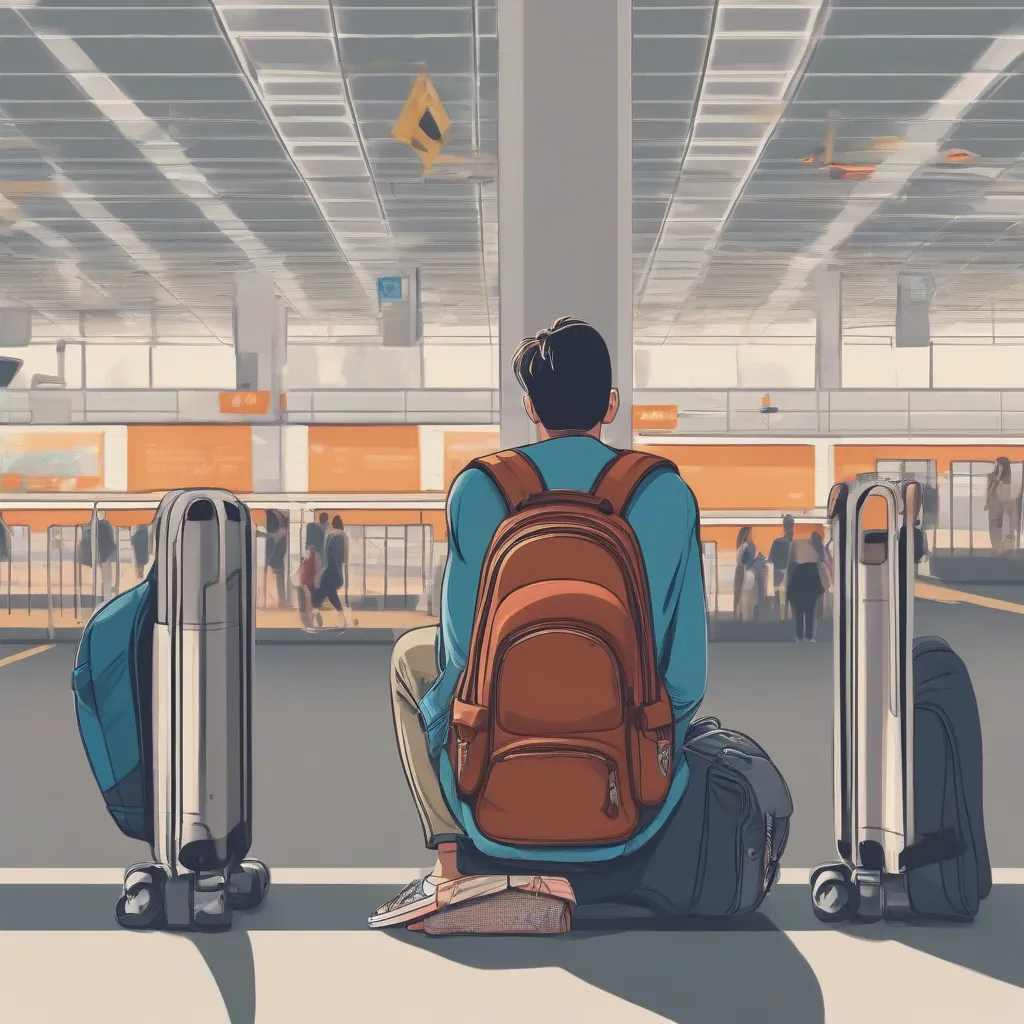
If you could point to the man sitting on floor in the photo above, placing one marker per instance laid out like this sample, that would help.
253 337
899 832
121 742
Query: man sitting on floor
566 373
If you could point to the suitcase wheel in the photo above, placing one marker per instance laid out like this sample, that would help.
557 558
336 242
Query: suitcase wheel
248 886
141 903
834 897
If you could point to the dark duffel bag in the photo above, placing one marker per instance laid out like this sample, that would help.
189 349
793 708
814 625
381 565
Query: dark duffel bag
953 874
718 855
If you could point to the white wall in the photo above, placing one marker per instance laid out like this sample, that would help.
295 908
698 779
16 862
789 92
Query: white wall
43 359
979 366
117 366
460 366
193 366
731 366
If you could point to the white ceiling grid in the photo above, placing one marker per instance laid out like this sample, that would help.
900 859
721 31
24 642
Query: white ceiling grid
753 55
154 148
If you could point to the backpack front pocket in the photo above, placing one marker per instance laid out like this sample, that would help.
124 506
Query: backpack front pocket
556 795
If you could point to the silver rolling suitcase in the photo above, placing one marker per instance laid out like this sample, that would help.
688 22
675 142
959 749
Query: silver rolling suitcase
203 649
873 744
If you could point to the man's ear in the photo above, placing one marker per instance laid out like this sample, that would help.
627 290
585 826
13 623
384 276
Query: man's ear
613 406
530 410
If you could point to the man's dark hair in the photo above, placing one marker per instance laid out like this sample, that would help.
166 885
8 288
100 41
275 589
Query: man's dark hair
323 518
567 372
337 523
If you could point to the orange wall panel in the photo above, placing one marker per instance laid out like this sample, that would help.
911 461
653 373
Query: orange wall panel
39 520
741 476
161 458
851 459
130 516
461 447
364 460
438 520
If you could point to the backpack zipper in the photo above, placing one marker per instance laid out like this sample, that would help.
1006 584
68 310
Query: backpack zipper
640 602
613 803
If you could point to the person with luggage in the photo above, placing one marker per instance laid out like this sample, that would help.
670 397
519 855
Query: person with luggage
999 504
331 576
140 549
335 566
824 572
746 552
276 551
583 557
106 549
316 532
778 558
306 580
804 587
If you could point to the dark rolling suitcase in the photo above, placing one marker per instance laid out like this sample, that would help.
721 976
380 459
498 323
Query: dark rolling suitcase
163 682
907 749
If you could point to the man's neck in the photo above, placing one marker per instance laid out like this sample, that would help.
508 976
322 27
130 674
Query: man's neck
543 434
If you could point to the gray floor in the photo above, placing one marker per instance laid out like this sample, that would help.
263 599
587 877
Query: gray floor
329 790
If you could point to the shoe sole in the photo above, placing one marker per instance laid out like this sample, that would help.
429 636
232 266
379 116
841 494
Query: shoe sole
451 894
509 913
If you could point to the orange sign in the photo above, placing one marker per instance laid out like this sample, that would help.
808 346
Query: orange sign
364 460
655 417
166 457
251 403
463 446
423 124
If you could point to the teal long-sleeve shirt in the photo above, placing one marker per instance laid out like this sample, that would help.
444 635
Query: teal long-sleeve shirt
663 515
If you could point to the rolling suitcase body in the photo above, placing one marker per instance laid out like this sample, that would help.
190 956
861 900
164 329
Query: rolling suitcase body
907 747
193 720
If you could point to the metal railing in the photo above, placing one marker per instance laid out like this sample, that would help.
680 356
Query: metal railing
389 566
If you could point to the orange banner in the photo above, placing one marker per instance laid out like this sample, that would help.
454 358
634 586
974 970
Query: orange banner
165 457
40 460
655 417
461 447
245 403
745 476
364 460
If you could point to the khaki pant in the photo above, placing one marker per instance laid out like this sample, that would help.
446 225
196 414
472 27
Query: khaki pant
413 671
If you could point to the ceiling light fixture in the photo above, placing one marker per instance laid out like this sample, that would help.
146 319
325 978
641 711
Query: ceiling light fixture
923 143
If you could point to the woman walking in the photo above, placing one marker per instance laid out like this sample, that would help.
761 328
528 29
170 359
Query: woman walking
804 587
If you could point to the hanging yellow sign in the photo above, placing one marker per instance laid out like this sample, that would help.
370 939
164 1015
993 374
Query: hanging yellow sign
423 124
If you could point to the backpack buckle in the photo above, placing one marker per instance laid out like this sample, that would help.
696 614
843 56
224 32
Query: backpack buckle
664 757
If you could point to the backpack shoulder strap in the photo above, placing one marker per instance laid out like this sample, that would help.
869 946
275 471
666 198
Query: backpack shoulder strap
618 481
514 475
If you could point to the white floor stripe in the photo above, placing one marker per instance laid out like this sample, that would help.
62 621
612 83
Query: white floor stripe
1000 876
340 876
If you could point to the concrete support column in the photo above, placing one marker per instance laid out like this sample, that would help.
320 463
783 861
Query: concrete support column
565 189
828 355
261 337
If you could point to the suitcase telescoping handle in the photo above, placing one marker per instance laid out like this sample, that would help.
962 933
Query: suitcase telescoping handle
875 547
855 549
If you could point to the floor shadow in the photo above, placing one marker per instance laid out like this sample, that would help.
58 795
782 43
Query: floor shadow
990 945
230 960
669 963
681 970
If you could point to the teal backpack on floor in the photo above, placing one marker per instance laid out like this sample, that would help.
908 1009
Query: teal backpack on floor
112 683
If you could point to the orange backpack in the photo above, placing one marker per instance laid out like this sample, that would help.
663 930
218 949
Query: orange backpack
561 728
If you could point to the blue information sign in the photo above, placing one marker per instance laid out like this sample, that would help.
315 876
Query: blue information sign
389 289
